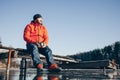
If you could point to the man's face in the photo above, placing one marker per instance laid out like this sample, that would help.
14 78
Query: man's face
39 20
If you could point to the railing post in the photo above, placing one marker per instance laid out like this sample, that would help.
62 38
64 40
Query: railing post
8 64
23 69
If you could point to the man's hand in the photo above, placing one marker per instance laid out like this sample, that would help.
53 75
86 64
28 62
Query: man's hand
41 45
38 44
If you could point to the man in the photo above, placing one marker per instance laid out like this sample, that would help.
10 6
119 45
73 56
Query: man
36 37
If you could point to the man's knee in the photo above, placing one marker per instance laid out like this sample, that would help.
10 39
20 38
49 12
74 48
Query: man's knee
31 48
49 50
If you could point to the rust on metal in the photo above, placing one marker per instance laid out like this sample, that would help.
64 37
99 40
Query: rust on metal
8 64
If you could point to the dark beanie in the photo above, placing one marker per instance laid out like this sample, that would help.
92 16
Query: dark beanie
36 16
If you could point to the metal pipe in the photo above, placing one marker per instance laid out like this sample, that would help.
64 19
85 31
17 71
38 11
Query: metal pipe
8 64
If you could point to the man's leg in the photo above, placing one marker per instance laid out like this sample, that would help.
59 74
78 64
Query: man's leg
47 52
33 50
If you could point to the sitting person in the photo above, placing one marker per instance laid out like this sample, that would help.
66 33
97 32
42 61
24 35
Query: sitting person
36 37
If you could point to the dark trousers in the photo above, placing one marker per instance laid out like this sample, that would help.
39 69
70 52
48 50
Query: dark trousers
35 53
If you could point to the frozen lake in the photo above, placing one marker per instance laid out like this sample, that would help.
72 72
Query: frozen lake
78 74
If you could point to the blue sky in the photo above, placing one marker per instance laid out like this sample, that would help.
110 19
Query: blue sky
73 25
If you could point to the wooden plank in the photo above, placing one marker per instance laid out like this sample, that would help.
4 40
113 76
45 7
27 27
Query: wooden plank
86 64
24 53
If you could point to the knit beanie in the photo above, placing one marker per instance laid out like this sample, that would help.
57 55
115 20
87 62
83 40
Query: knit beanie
36 16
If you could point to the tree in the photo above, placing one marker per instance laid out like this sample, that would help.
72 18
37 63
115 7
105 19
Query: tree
108 52
116 54
96 54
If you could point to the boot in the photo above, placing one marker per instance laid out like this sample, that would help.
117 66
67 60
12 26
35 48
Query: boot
39 68
54 68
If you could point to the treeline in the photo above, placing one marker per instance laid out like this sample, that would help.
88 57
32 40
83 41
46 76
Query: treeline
108 52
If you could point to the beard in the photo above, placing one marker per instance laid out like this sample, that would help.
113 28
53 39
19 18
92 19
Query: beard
40 22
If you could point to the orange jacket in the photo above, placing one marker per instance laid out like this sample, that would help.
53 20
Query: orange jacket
35 33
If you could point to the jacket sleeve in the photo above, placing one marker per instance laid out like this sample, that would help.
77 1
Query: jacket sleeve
26 35
45 36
